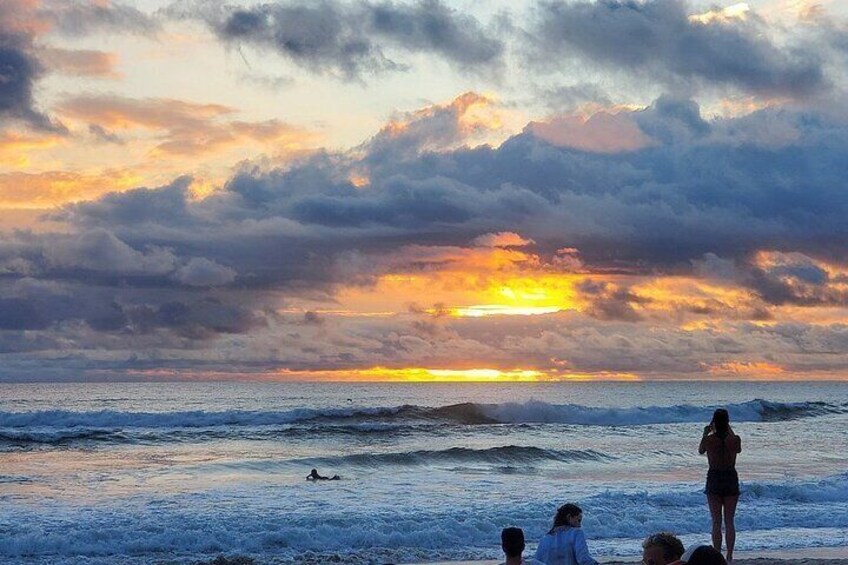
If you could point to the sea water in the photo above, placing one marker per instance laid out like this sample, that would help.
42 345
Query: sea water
146 473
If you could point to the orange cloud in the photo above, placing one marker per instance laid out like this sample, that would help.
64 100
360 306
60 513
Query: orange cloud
80 62
214 138
760 369
469 281
683 298
601 132
14 147
117 112
469 117
45 190
190 129
21 16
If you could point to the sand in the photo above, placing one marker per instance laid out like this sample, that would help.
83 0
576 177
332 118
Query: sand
746 561
812 556
754 561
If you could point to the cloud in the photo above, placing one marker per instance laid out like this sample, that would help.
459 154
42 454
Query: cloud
19 70
72 309
795 278
699 188
83 17
51 188
610 302
104 136
118 112
166 205
80 62
465 119
22 62
99 250
203 272
15 147
430 26
502 239
189 129
351 41
702 236
662 40
602 132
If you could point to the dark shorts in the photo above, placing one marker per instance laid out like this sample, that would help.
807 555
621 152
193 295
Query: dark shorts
722 482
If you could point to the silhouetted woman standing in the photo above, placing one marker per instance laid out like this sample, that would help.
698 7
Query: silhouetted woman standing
721 446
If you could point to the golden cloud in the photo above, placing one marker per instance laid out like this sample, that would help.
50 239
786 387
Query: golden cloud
45 190
15 147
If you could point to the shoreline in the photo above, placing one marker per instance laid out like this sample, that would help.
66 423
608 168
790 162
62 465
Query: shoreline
802 556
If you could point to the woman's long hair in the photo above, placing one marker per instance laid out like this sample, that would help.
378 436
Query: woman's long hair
564 512
721 423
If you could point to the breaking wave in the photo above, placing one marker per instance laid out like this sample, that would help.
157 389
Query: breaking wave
505 455
62 426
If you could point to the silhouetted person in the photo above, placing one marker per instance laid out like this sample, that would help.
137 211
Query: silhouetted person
662 548
703 555
721 446
512 543
314 476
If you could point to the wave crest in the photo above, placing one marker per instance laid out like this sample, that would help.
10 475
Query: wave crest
62 426
503 455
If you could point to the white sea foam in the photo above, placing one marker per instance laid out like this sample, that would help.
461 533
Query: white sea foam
233 523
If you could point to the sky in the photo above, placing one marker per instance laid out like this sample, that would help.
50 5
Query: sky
423 190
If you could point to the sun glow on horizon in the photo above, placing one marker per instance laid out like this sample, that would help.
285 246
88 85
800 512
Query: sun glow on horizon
483 310
424 374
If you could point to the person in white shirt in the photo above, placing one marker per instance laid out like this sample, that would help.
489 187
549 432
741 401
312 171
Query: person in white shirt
512 543
565 544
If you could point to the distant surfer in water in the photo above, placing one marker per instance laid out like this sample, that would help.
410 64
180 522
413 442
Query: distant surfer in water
314 476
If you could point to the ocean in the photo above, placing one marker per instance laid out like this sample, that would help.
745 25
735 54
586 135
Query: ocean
144 473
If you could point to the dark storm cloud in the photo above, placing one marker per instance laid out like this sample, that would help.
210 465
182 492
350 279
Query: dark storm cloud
319 37
21 24
29 304
797 279
351 41
728 187
196 320
19 70
99 257
430 26
166 205
610 302
658 39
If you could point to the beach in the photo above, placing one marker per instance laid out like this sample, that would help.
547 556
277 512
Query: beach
811 556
